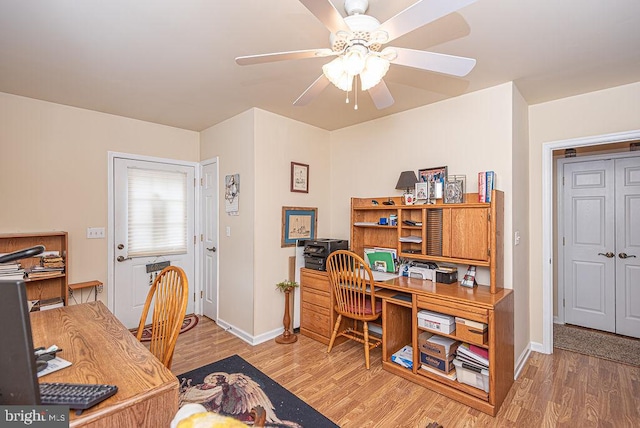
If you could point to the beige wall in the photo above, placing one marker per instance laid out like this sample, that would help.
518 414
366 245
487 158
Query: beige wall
520 219
53 171
596 113
471 133
280 141
261 146
233 142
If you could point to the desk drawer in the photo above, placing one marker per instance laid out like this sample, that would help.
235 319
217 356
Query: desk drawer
318 299
314 280
315 318
456 309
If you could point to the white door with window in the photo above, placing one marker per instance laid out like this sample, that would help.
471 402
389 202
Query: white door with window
154 206
601 202
209 248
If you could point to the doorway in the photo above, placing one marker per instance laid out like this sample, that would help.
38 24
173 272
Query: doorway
599 242
548 204
151 225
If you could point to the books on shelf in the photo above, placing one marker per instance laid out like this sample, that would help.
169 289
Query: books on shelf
486 183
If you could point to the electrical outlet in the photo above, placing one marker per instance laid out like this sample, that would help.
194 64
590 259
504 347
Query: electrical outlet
95 232
228 230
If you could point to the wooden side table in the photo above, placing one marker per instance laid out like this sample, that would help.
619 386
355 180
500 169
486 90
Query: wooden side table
80 285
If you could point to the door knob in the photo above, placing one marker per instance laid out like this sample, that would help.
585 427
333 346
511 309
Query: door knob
625 256
608 255
212 249
122 258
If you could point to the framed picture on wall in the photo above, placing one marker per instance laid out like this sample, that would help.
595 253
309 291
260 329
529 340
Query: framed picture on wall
298 223
299 177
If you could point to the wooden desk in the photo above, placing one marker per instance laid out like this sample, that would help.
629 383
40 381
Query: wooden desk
102 350
400 328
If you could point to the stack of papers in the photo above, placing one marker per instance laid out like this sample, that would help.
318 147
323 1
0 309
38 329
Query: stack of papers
473 357
411 238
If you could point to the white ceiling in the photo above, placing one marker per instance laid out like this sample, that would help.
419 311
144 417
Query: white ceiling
172 61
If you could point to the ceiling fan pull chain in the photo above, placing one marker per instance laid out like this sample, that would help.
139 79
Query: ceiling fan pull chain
355 91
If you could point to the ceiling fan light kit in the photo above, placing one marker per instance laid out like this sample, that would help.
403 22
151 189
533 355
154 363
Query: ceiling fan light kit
356 40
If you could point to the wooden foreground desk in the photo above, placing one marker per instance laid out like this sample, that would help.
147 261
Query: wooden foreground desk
102 350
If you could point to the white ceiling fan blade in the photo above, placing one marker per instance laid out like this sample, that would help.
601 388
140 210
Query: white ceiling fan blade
381 95
327 13
312 91
283 56
419 14
455 65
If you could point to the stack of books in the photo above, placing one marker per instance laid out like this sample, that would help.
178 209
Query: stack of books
50 265
11 271
486 183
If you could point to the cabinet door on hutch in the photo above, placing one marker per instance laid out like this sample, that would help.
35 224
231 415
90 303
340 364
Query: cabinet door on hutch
469 233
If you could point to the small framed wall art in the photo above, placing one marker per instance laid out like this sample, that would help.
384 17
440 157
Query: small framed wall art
298 223
299 177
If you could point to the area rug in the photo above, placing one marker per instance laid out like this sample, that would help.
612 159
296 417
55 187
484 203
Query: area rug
189 322
595 343
233 387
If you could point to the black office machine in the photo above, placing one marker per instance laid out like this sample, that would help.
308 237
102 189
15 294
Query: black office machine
316 251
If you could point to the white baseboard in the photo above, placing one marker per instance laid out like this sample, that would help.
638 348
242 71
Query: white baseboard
251 340
521 361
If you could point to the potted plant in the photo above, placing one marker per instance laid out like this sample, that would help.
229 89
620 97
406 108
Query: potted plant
286 287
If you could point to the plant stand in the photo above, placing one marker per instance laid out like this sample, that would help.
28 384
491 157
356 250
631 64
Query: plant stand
286 337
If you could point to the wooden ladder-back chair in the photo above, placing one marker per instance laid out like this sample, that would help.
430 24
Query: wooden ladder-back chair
169 294
355 298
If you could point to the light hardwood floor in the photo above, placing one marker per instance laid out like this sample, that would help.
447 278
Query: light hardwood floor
560 390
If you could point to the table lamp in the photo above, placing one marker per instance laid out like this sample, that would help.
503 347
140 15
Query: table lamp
407 182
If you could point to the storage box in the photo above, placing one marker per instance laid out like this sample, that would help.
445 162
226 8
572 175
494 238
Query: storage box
443 364
436 321
446 277
476 379
404 357
471 331
435 345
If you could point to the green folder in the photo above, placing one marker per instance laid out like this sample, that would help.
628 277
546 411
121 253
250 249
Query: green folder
381 258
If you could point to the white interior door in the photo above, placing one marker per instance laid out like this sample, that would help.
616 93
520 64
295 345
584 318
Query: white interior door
628 246
589 244
152 226
209 198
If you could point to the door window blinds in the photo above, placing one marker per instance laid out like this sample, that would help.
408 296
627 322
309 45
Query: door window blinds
157 212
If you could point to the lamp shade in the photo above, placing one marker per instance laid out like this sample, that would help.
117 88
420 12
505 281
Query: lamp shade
407 180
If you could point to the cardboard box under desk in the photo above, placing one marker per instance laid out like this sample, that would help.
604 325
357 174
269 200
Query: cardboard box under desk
471 331
435 345
443 364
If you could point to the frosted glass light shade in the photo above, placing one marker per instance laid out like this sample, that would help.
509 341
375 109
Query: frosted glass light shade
374 70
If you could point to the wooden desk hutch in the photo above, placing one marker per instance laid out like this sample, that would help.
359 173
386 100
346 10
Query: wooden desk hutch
470 233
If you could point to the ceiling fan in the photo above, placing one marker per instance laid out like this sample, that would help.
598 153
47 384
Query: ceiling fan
357 43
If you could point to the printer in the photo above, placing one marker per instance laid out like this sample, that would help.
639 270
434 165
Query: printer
316 251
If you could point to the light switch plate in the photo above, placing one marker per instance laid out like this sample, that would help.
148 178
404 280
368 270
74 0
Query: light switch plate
95 232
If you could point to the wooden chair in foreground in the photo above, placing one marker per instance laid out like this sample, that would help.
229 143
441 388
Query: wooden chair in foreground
355 298
169 294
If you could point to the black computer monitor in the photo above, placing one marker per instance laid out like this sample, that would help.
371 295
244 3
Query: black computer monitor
18 378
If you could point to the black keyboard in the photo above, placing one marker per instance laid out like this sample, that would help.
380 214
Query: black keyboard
75 395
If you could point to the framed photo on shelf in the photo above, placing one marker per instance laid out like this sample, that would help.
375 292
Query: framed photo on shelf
298 223
299 177
454 189
436 178
422 192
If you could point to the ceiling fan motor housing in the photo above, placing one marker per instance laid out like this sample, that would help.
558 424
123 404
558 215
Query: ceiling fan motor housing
353 7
